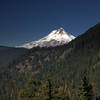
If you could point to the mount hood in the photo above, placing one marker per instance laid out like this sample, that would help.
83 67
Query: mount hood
55 38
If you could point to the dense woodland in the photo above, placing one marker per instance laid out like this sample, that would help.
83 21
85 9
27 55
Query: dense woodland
47 89
74 71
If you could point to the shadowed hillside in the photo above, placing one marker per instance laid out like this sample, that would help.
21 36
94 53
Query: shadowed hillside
9 53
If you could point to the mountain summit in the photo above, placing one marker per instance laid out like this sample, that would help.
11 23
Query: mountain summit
55 38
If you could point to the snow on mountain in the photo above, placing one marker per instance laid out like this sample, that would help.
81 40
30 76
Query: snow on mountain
55 38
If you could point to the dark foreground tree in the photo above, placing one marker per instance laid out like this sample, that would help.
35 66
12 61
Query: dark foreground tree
52 92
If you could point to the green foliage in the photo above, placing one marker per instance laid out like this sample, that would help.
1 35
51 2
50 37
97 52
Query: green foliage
41 90
51 91
86 90
33 89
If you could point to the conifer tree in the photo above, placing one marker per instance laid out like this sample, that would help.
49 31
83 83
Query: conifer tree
51 91
85 91
48 87
32 90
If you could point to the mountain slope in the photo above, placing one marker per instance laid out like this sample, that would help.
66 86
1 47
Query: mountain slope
65 63
9 53
55 38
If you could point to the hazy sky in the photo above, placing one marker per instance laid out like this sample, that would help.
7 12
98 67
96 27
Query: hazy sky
27 20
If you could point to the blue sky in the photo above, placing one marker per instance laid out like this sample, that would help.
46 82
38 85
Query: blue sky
28 20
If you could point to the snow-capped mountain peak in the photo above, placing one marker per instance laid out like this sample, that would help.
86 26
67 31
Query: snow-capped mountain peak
55 38
61 31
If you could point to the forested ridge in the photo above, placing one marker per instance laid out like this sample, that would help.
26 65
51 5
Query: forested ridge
74 71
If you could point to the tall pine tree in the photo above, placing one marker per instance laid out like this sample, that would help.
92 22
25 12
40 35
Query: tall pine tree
85 90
